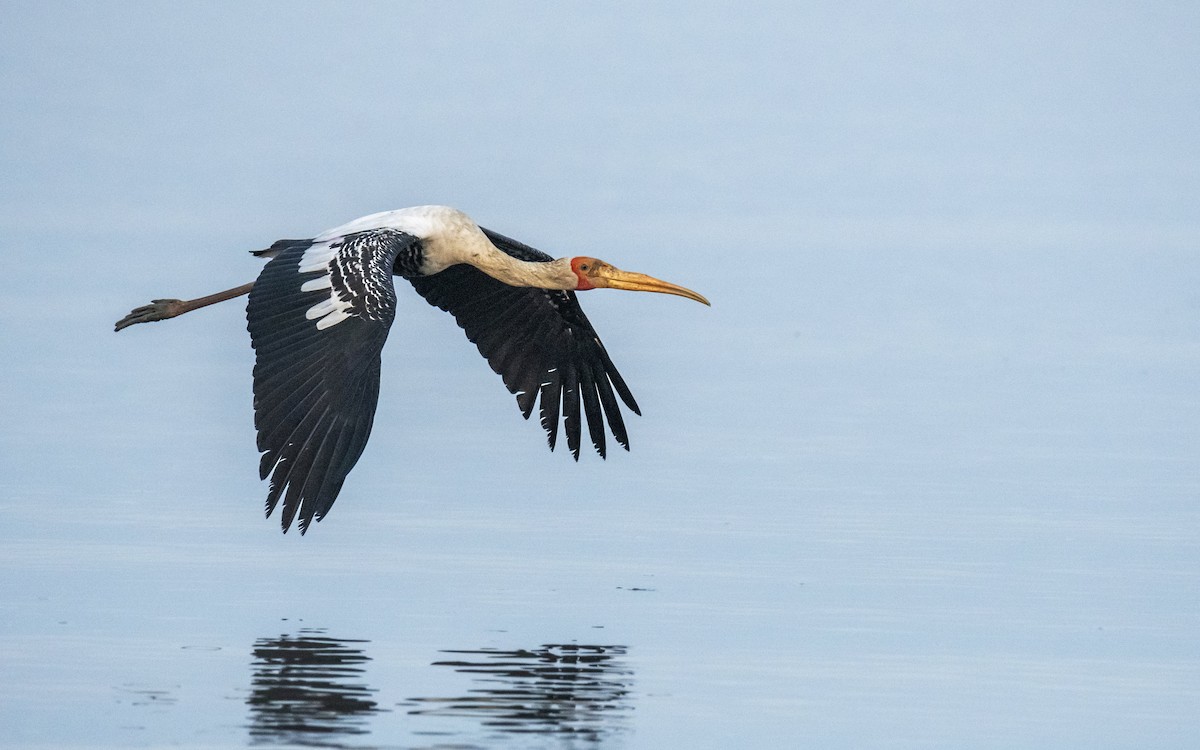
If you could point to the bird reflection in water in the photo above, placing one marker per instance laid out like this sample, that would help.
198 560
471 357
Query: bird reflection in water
562 689
306 689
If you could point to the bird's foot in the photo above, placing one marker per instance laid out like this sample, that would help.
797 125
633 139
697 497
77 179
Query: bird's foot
159 309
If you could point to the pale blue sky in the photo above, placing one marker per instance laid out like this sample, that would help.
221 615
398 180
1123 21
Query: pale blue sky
925 474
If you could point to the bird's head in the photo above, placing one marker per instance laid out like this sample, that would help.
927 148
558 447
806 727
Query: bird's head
592 273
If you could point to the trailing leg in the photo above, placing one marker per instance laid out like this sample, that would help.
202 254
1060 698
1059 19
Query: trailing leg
162 309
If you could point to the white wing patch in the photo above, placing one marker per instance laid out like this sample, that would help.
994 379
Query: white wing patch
334 309
317 257
332 319
316 285
329 312
356 272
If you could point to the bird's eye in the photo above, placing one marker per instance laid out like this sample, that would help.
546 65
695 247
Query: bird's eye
583 267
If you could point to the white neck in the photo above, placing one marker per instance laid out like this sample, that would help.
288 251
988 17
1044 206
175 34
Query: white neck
450 237
555 274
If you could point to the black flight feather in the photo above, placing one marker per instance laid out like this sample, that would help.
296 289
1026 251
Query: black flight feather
541 344
316 389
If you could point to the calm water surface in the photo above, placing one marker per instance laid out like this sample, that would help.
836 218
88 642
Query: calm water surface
925 475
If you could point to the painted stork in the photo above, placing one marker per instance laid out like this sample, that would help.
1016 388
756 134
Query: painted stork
320 311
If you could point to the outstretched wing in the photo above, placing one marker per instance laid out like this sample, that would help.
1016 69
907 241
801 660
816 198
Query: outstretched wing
318 316
540 343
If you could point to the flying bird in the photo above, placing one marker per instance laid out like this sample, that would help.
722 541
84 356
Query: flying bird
320 311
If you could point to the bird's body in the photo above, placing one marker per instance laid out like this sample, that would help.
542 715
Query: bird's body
320 312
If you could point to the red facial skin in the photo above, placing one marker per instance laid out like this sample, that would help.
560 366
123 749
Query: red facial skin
577 265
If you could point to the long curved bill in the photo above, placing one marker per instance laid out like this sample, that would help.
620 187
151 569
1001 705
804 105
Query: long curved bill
607 276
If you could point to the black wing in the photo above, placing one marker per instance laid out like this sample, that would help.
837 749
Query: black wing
318 316
540 342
